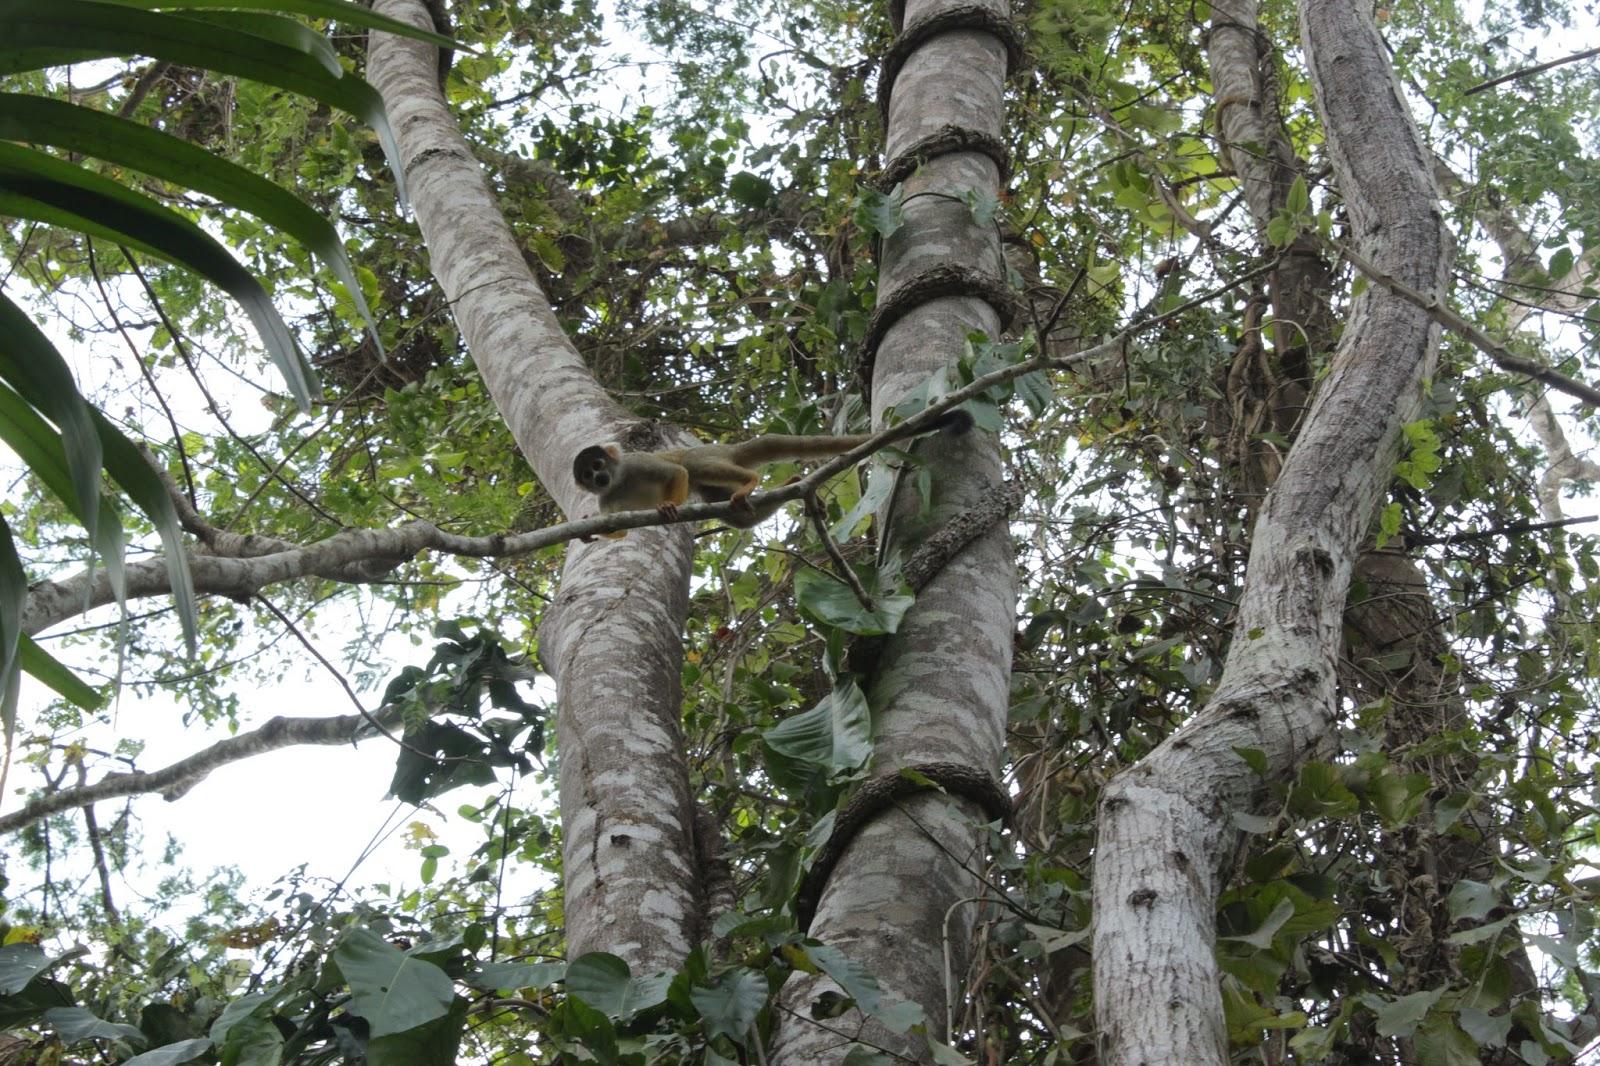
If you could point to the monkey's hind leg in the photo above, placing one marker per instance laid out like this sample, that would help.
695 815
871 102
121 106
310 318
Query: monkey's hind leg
677 492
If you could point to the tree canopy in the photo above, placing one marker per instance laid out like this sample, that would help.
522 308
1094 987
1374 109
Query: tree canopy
713 203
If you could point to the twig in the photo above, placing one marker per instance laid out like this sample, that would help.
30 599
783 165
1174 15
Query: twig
211 401
1537 68
1503 356
1505 531
144 371
847 573
338 676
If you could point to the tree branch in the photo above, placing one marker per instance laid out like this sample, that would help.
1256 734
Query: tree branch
175 780
1504 357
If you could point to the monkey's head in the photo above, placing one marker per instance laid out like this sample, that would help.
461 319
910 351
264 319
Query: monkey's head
596 467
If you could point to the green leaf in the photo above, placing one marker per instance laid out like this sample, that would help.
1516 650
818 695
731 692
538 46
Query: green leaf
392 992
77 1024
1262 937
1255 758
13 594
48 669
40 448
245 1035
732 1005
434 1043
1470 900
30 364
603 982
881 213
588 1028
172 1054
983 205
41 120
19 964
40 35
130 469
494 976
38 186
862 987
1400 1017
337 10
1440 1042
833 603
835 735
1299 200
751 190
1488 1030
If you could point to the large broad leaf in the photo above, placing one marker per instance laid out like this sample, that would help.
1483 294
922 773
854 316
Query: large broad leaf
392 991
41 187
21 963
835 735
898 1014
498 975
79 1023
603 982
433 1044
833 603
35 35
172 1054
732 1005
41 120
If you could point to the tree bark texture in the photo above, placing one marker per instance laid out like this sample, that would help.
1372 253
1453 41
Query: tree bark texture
612 640
1165 825
941 689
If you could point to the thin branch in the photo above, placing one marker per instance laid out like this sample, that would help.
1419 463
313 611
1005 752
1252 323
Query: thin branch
1537 68
178 778
305 642
138 359
1503 356
1506 531
182 348
847 573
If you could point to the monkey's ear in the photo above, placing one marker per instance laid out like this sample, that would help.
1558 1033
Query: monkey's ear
613 451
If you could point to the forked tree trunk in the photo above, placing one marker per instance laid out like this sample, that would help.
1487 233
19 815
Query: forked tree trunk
1165 826
941 689
612 640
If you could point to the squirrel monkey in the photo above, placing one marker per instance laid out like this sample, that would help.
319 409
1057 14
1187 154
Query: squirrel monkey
634 481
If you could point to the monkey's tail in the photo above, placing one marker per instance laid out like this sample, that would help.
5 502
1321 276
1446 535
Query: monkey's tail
771 447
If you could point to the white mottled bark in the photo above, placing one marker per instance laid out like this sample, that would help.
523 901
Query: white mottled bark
1165 825
612 640
942 686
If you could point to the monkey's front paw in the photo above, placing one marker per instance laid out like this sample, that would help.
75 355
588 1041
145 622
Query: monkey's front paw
741 502
669 512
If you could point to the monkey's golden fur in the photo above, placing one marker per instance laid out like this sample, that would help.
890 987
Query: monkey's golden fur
635 481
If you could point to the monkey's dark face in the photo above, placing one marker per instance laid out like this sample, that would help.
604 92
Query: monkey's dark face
594 468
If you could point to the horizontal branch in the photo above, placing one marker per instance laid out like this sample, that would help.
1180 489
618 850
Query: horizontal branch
362 555
175 780
1504 357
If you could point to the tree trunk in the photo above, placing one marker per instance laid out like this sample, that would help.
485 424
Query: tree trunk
612 640
940 691
1165 826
